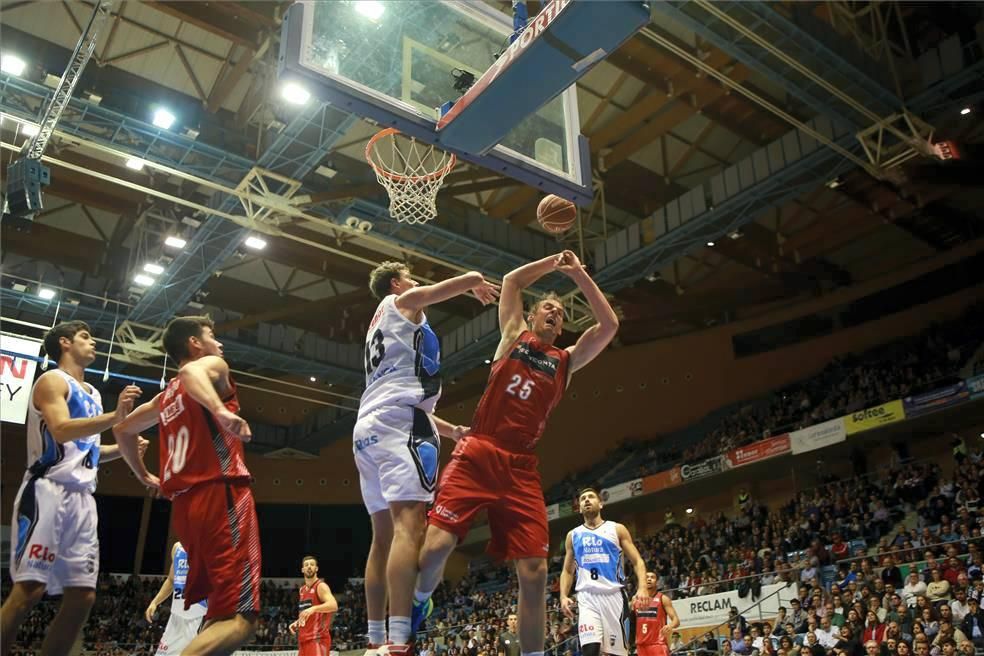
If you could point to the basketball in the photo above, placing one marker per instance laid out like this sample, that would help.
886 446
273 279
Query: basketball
556 214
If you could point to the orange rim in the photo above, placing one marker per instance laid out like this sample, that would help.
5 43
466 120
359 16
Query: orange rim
396 177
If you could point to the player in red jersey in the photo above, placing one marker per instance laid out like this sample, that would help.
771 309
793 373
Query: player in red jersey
203 472
316 605
656 623
494 467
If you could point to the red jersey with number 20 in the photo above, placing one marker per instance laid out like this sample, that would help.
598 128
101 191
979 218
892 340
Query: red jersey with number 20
317 626
194 449
650 622
523 389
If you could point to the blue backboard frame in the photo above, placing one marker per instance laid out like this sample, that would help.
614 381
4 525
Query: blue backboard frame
386 111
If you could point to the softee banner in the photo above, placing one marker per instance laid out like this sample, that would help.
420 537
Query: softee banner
920 404
869 418
818 436
770 447
975 385
712 610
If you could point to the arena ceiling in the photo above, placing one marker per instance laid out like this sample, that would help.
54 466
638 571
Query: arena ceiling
658 127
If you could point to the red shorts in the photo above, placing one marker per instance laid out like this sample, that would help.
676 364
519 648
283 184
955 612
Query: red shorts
320 647
652 650
481 476
216 523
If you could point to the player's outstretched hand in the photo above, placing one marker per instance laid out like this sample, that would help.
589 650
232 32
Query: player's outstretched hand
641 600
234 424
125 402
459 432
567 605
486 292
292 627
149 613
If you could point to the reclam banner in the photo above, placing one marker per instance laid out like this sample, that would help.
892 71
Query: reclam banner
711 610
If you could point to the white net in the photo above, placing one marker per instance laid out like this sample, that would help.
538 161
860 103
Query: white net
411 172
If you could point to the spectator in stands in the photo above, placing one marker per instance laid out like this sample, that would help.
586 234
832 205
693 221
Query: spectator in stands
915 587
891 575
939 588
972 624
873 628
828 635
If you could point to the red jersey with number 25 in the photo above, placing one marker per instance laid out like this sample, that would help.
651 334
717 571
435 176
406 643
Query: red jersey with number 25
194 449
650 622
317 626
524 387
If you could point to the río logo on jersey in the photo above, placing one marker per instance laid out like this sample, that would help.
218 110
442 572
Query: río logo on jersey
40 557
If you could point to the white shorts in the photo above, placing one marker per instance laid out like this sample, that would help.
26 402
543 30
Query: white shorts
54 537
604 619
177 634
397 451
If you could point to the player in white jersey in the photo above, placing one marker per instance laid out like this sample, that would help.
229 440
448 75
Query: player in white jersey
396 437
54 540
183 625
596 551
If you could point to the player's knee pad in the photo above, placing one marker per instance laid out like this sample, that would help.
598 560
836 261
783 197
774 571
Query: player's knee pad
591 649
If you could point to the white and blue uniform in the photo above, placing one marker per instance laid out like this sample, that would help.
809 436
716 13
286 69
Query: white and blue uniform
395 441
54 537
602 606
183 625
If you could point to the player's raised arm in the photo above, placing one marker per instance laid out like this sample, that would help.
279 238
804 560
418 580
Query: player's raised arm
49 396
595 339
632 554
203 378
567 573
512 320
421 297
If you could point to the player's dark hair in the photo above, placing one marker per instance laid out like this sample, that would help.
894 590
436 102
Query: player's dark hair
309 557
179 331
381 278
589 488
66 329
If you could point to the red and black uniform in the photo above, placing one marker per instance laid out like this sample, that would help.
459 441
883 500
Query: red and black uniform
204 473
494 467
650 622
314 638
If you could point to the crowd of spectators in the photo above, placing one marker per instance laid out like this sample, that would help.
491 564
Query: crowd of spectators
840 544
847 384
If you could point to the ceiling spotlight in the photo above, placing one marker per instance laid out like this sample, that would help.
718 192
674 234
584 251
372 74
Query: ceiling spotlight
14 65
690 511
487 361
371 9
175 242
710 243
834 183
143 280
734 234
135 164
295 94
153 268
313 379
30 129
256 243
46 294
965 111
163 118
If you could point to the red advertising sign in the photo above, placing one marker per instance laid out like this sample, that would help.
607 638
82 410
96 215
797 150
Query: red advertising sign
661 480
770 447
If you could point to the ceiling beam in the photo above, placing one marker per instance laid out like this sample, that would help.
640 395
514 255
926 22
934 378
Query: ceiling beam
206 16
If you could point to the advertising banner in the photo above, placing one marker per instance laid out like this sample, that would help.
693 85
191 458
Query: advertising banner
711 610
975 385
818 436
622 491
16 376
770 447
553 512
920 404
708 467
869 418
661 480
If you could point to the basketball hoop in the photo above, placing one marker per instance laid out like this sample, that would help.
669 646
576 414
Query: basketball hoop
412 174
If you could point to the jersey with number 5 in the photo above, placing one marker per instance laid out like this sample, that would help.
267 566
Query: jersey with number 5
194 448
523 389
